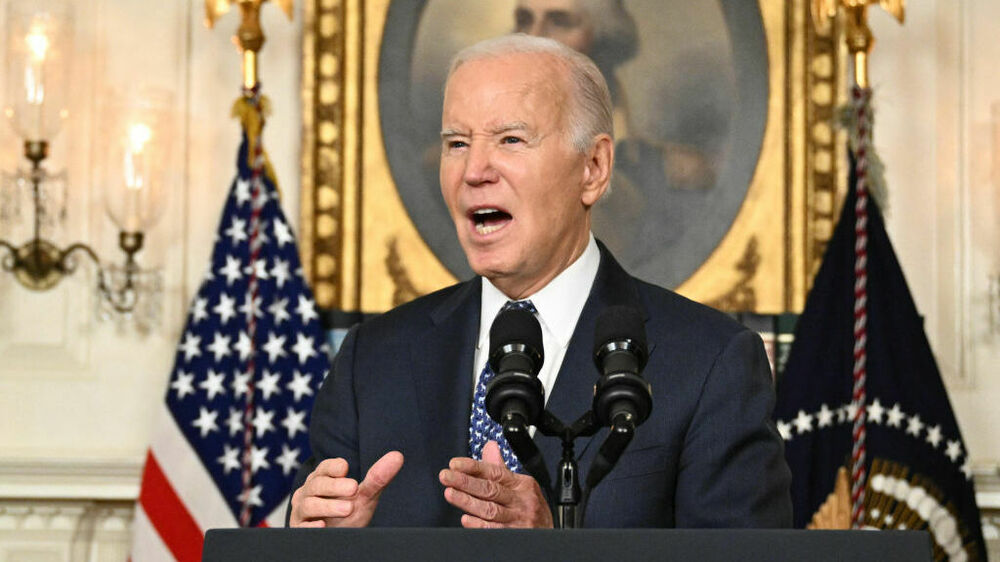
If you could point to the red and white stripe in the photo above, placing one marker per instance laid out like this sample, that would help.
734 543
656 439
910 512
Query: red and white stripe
861 101
178 501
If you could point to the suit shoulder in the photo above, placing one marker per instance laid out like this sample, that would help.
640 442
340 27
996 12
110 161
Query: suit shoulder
415 314
676 316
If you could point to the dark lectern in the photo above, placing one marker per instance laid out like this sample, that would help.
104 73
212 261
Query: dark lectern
231 545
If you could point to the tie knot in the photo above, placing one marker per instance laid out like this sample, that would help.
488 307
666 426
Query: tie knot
521 305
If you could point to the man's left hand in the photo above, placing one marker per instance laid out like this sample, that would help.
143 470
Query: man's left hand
491 495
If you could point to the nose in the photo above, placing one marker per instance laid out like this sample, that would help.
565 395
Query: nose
479 168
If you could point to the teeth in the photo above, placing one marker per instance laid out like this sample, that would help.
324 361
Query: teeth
484 229
485 211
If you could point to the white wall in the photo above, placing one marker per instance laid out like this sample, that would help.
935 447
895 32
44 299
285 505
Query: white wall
76 394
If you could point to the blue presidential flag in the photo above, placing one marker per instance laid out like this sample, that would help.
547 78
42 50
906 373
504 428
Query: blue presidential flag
916 464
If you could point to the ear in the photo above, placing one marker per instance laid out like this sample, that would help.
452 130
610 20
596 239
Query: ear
600 160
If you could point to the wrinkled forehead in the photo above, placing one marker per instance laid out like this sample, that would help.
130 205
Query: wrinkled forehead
532 76
542 6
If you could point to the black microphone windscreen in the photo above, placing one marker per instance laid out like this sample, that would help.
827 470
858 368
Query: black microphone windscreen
516 326
617 323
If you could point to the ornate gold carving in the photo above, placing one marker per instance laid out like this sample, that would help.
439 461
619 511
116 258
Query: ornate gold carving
404 289
835 513
323 180
742 297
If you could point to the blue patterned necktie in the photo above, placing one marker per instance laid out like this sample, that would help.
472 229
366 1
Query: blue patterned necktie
482 428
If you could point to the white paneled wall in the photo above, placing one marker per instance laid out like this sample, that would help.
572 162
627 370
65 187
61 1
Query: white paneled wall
76 395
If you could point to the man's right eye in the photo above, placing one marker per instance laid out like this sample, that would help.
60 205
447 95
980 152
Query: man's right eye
523 20
452 144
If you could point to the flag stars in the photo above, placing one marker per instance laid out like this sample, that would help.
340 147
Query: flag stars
280 272
229 459
243 346
300 385
262 422
252 496
241 383
213 384
875 411
259 269
304 348
279 311
934 436
306 309
190 346
226 308
288 459
803 422
206 421
953 450
914 426
824 417
183 384
242 191
275 347
966 469
231 271
258 459
237 231
269 384
785 429
294 422
895 416
198 312
235 421
251 302
220 346
852 411
282 234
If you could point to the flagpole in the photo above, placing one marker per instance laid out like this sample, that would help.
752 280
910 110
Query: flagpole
860 41
251 109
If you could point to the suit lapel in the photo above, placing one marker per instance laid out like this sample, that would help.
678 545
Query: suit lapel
573 391
444 377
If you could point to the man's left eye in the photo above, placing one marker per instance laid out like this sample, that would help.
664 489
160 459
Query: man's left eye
511 140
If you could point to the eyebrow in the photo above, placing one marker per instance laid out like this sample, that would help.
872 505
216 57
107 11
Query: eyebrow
499 129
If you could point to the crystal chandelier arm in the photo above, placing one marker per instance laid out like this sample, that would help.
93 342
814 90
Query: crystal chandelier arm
9 261
122 299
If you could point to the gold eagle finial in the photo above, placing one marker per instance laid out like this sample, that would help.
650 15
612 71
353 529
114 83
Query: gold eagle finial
249 37
858 34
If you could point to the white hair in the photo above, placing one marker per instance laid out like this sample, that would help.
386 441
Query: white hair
590 108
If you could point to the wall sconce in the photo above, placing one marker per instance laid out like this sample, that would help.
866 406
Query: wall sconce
134 139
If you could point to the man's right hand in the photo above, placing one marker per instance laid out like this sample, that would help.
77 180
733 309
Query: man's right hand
329 499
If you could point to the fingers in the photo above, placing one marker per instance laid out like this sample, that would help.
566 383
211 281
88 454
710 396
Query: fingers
482 488
334 468
484 510
491 454
473 522
380 475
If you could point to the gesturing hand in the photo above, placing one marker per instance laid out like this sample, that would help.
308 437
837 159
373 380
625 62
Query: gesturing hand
492 496
329 499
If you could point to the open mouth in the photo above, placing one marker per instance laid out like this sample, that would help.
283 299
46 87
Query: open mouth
489 219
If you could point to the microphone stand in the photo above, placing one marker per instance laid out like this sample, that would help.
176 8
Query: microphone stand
570 499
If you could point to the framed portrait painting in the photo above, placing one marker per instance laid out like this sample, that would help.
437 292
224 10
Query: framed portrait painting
725 180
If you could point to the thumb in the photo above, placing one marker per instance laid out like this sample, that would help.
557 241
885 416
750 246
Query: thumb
491 454
380 474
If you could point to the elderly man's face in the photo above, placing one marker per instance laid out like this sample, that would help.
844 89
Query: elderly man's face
517 190
562 20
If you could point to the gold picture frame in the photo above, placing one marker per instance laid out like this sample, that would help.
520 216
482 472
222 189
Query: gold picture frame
362 251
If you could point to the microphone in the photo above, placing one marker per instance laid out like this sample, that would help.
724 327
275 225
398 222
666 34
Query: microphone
622 398
620 354
516 355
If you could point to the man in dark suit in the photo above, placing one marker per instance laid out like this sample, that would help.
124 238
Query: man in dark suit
527 150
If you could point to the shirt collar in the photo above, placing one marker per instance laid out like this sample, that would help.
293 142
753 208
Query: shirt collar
559 303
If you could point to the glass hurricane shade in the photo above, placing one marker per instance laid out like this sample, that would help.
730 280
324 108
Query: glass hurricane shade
39 49
136 154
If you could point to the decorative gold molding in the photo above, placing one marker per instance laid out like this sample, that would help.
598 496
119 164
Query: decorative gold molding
350 241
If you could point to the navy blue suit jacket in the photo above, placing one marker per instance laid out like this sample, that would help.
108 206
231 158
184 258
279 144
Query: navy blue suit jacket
708 456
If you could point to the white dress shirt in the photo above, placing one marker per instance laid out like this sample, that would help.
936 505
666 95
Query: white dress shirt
559 305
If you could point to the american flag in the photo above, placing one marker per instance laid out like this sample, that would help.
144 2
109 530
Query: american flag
233 428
